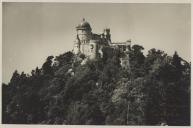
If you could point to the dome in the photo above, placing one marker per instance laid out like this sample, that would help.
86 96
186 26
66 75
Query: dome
84 25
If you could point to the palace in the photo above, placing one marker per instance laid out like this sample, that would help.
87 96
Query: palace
91 44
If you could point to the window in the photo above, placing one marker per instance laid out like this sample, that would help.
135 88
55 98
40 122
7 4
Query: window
92 46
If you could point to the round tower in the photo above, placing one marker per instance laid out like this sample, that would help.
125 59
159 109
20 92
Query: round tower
84 31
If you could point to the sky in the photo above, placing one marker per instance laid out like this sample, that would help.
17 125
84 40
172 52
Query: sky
34 31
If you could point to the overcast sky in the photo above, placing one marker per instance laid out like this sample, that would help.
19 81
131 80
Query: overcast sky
33 31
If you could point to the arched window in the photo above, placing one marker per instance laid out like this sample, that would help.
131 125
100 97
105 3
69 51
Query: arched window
91 47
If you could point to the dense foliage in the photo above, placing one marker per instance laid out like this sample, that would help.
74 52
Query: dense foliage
151 90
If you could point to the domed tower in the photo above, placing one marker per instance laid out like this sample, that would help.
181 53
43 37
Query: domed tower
84 31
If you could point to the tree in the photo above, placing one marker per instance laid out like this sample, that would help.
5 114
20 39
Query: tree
155 90
47 66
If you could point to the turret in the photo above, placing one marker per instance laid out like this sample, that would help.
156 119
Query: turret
107 34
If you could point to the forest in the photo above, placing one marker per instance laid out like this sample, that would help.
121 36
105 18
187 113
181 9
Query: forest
154 89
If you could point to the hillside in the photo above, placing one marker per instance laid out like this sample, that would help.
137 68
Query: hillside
153 89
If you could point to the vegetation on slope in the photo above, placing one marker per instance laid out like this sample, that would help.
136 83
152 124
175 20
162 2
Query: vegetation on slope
154 89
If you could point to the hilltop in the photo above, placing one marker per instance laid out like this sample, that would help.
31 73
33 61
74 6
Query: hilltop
149 90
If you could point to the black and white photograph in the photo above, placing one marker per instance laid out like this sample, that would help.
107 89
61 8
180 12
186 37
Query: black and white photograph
112 64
